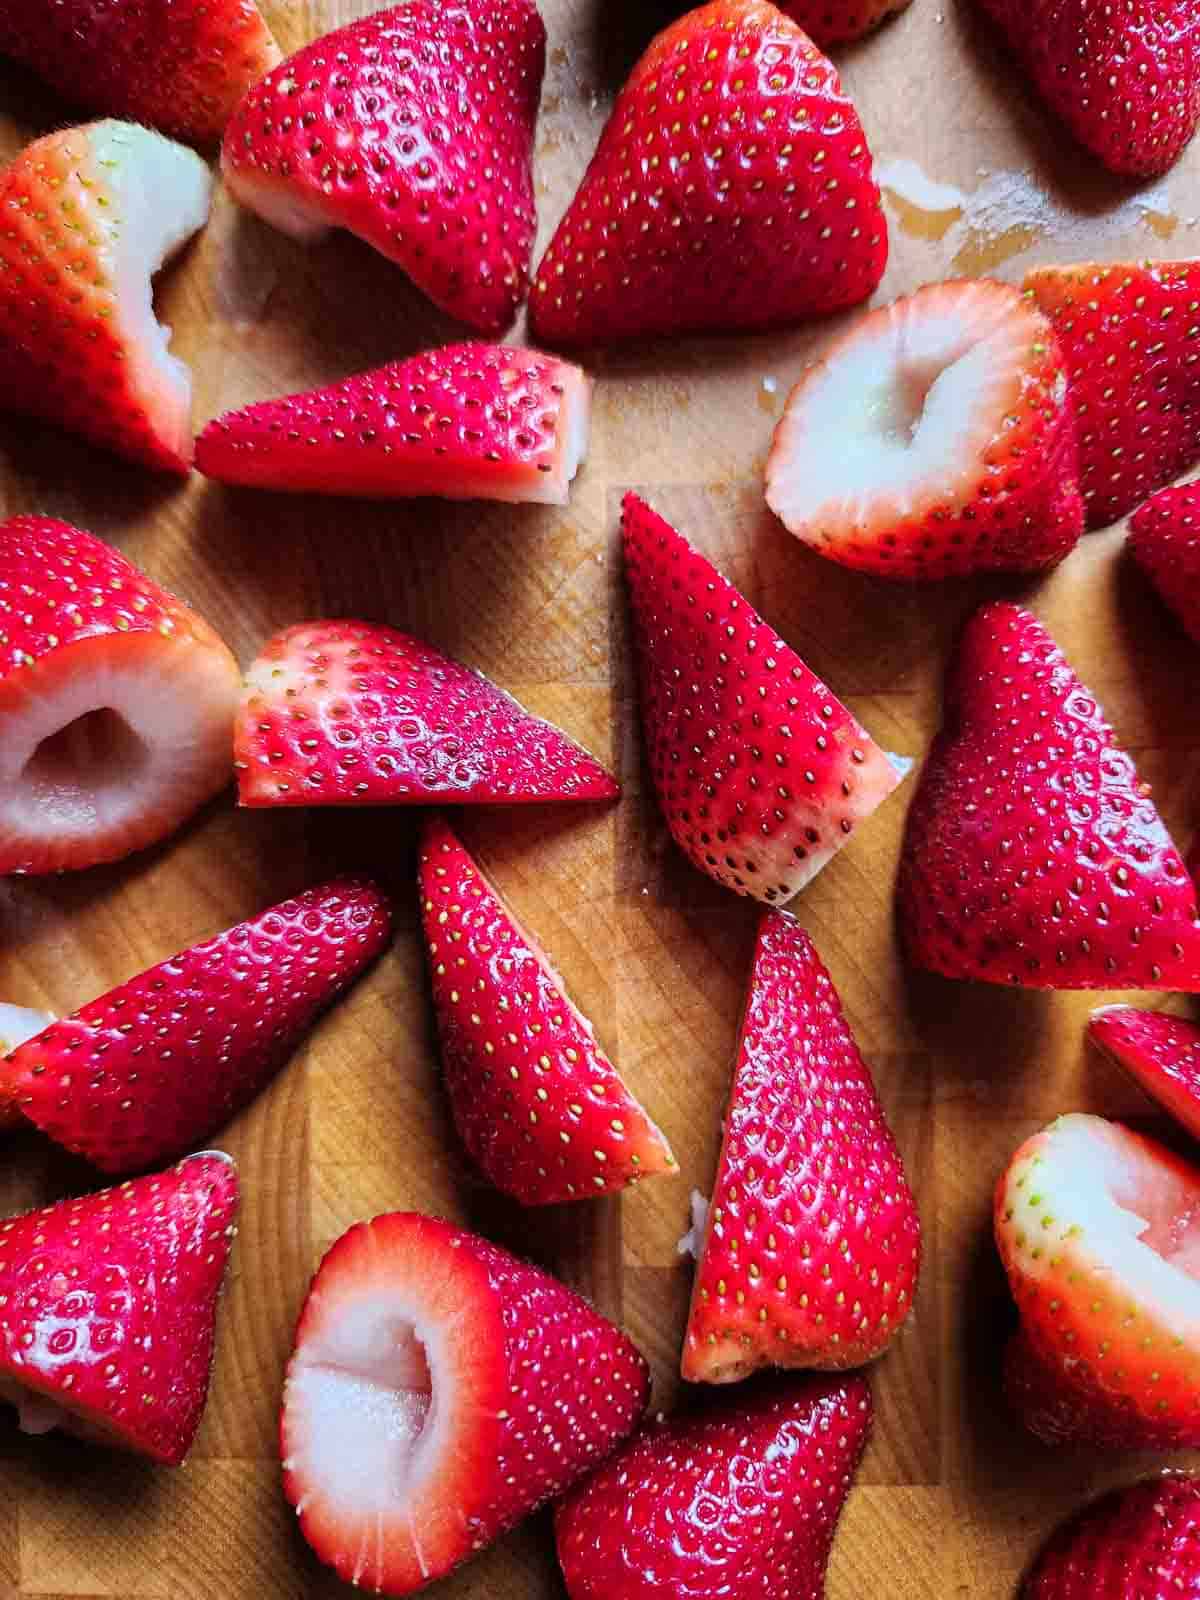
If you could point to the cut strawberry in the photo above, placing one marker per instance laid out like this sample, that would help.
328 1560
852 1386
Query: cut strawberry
353 713
116 702
412 128
469 422
1034 854
439 1391
110 1308
761 773
732 189
937 437
17 1023
1164 540
90 215
536 1101
840 21
736 1502
1141 1542
1161 1052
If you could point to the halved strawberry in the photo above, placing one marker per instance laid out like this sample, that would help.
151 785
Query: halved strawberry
1033 853
116 702
1160 1051
413 128
1164 540
840 21
110 1306
1143 1542
439 1391
936 437
17 1023
761 772
353 713
90 214
468 422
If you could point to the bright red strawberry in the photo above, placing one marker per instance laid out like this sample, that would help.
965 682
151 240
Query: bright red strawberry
469 422
1128 334
439 1391
761 772
1160 1051
158 1064
17 1023
813 1243
116 702
179 65
840 21
353 713
1034 854
735 1502
89 216
1139 1543
1164 540
963 456
731 189
412 128
110 1306
535 1099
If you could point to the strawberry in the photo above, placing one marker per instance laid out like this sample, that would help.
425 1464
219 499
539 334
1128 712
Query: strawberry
110 1307
812 1244
353 713
840 21
1142 1541
472 421
731 189
116 702
158 1064
439 1391
413 128
17 1023
760 771
536 1101
179 65
738 1501
1161 1052
1128 336
1033 854
1163 541
963 457
1094 1225
90 214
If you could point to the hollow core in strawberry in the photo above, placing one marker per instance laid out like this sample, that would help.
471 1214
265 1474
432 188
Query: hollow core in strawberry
71 767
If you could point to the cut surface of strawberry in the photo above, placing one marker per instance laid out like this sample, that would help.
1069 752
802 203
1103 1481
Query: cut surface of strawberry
17 1023
1164 540
1159 1051
1142 1541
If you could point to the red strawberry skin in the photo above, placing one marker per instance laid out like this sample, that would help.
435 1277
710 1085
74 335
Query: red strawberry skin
1161 1052
1034 855
1164 540
110 1304
736 1502
829 22
732 189
1142 1541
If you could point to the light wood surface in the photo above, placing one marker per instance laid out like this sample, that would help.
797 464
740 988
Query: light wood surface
952 1497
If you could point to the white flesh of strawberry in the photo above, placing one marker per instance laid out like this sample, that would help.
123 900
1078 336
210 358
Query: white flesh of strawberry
18 1023
277 202
571 440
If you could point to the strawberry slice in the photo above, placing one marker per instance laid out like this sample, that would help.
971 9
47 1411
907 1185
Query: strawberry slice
159 1063
732 189
1033 854
739 1501
412 128
840 21
1161 1052
1141 1541
439 1391
469 422
937 437
761 772
354 713
116 702
536 1101
110 1306
812 1244
1163 540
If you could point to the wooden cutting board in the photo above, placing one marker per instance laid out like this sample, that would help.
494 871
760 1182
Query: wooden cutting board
952 1497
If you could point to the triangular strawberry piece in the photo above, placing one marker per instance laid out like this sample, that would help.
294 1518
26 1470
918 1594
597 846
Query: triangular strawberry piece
1164 540
110 1307
1161 1052
1142 1541
1034 855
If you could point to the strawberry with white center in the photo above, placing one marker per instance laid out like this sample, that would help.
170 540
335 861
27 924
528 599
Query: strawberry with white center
1142 1541
110 1306
116 702
761 772
440 1391
1164 540
1159 1051
830 22
936 437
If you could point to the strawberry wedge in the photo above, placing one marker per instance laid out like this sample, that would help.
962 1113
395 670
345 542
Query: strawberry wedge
1139 1541
1159 1051
17 1023
1164 540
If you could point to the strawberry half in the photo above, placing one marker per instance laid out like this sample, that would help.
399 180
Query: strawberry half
840 21
353 713
936 438
813 1244
110 1306
761 772
1128 336
1143 1541
439 1391
116 702
1163 541
469 422
1161 1052
732 189
1033 853
738 1501
158 1064
412 128
536 1101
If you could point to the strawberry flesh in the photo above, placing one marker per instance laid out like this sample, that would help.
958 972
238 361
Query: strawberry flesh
1163 540
1141 1541
1161 1053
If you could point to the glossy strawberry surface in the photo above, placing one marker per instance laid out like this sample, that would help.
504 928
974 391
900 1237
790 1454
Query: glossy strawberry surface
1164 540
1136 1543
1161 1052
